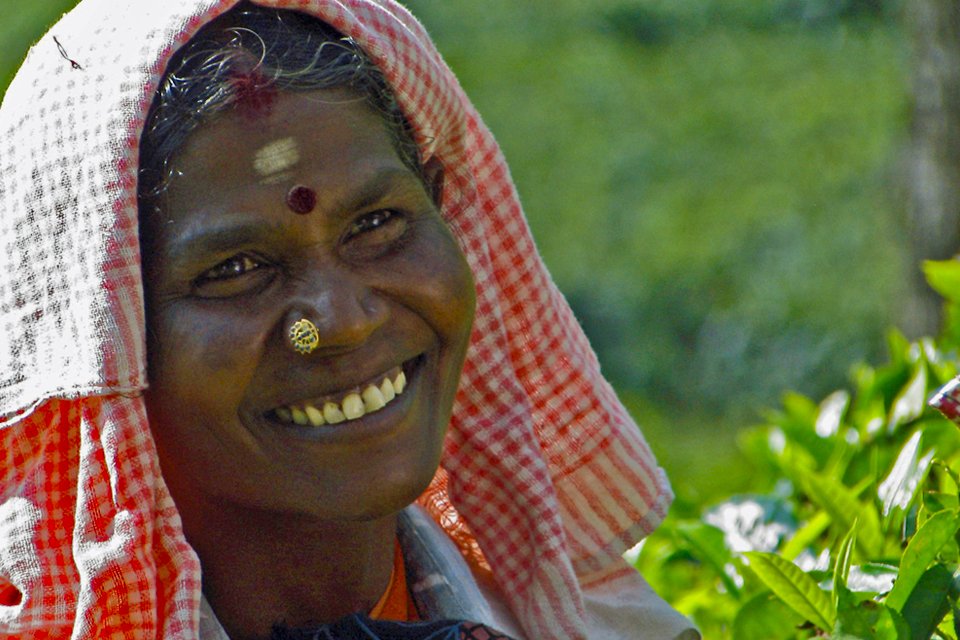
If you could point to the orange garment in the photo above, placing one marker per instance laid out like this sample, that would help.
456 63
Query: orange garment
396 603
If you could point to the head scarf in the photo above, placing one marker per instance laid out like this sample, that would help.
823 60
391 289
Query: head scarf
544 474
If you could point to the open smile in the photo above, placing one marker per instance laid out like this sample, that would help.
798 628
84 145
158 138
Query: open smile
349 404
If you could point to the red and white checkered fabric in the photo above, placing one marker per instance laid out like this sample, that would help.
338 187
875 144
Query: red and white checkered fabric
542 462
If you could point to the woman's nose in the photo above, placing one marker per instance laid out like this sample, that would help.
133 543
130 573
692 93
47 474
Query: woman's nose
335 310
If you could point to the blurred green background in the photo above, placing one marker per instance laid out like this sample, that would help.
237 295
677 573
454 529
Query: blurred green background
715 185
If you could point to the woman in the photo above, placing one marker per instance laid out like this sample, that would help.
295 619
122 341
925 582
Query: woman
303 242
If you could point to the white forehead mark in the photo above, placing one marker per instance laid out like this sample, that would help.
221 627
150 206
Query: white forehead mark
274 160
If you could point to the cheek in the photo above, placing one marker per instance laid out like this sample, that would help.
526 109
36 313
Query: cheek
459 304
199 372
445 284
201 359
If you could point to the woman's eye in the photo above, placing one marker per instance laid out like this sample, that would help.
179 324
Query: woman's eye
230 268
236 276
375 221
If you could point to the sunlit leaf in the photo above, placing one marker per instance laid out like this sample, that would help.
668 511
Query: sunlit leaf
944 277
871 597
870 621
707 543
766 617
841 567
798 423
831 413
872 577
910 401
953 475
934 501
946 629
903 481
844 508
899 348
929 601
806 535
798 590
921 551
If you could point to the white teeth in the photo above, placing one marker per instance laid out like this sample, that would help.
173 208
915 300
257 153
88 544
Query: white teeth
299 417
373 399
332 413
354 405
386 388
315 415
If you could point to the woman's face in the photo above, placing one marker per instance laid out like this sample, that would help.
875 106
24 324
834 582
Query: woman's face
229 267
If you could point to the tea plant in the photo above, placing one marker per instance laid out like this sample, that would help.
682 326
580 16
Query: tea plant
853 531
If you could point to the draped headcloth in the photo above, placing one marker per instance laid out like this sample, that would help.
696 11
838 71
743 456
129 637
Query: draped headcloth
544 477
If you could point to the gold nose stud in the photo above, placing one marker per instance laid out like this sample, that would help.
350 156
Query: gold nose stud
304 336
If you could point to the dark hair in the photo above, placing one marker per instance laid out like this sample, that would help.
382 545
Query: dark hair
241 57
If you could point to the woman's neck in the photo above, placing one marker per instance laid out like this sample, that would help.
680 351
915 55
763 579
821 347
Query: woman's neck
260 568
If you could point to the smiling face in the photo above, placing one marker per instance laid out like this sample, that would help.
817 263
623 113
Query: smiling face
229 269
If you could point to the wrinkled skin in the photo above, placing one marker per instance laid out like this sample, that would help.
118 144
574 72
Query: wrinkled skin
228 268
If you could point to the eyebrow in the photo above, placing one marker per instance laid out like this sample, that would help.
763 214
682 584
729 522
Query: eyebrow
218 238
380 183
228 233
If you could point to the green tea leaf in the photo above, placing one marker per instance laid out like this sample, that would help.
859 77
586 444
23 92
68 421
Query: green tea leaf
953 475
872 577
902 483
806 535
944 277
934 501
910 401
868 620
830 414
928 603
798 590
707 544
899 348
945 629
766 617
798 423
841 567
920 552
844 508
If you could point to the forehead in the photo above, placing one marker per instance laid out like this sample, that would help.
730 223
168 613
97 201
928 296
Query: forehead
297 135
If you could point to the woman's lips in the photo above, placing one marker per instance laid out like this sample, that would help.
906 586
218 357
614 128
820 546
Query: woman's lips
350 404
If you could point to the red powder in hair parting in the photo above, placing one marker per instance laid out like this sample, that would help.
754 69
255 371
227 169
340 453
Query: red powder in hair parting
255 94
301 199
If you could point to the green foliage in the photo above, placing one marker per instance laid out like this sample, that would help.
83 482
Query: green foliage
711 182
798 590
853 531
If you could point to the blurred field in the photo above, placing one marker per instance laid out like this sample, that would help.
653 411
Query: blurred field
714 185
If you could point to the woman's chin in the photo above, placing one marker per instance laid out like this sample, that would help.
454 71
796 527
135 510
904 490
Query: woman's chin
381 495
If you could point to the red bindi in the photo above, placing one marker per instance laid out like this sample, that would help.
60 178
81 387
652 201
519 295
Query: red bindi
301 199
